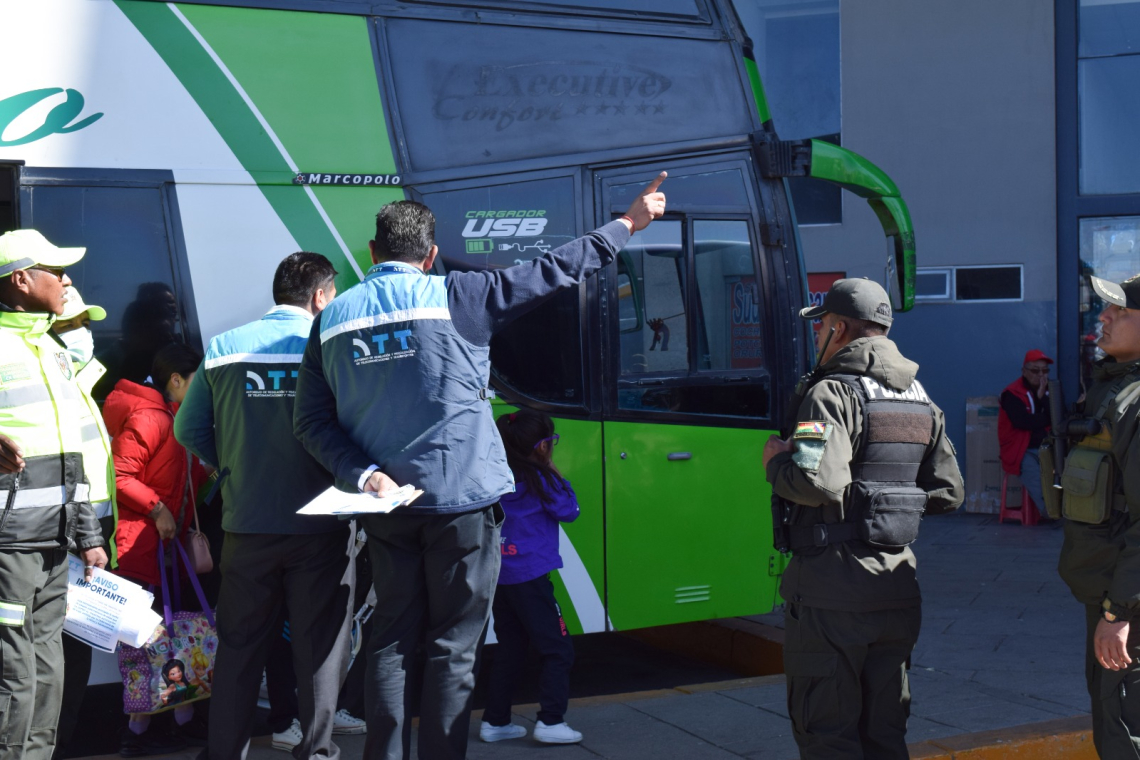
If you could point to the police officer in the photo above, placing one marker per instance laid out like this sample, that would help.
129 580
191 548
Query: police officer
1100 559
393 391
44 493
867 456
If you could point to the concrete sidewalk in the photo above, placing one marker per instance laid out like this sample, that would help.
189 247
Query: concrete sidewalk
997 671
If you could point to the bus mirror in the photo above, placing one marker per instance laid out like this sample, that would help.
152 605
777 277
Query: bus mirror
849 170
890 276
895 219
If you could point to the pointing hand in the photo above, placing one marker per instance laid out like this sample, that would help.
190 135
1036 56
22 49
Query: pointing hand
649 205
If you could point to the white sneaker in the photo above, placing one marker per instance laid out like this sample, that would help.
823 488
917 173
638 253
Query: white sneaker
289 738
489 733
344 723
559 734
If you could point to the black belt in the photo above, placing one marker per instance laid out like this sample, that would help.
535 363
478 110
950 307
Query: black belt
822 535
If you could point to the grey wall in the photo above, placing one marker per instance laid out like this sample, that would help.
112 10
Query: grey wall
954 99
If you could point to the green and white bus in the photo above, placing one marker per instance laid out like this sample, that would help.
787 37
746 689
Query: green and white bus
194 145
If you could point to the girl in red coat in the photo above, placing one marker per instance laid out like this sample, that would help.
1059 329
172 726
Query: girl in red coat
151 481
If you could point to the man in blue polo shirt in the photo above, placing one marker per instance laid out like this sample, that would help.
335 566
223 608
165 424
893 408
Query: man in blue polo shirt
238 416
393 391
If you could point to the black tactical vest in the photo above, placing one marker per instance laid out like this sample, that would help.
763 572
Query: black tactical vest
884 505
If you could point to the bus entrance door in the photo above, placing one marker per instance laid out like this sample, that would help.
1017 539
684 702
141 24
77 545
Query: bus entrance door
686 319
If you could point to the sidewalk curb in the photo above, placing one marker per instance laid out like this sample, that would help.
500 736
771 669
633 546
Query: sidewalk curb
1069 738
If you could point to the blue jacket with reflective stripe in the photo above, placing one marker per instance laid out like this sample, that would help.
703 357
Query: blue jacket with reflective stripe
238 416
395 367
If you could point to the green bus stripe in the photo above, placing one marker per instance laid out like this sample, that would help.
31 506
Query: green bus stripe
757 89
233 119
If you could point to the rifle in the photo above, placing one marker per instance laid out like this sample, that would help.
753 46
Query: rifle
781 507
1057 421
1064 429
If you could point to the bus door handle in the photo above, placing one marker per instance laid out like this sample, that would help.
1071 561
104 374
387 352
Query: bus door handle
679 456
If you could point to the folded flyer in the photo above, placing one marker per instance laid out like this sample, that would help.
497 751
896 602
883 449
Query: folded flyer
337 502
107 609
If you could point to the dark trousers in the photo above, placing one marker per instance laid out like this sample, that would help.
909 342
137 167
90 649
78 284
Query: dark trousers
281 684
527 614
1115 695
352 693
77 668
262 575
33 586
848 694
76 674
435 576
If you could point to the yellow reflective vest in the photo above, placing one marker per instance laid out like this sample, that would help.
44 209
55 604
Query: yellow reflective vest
98 463
47 505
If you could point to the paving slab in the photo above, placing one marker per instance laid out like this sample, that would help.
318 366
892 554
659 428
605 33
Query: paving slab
997 673
718 719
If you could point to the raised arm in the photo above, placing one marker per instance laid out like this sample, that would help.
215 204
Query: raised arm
481 303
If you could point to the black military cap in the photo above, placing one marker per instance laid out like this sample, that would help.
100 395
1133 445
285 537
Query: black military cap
858 298
1126 295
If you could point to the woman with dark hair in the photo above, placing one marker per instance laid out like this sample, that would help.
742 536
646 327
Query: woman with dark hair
525 610
156 482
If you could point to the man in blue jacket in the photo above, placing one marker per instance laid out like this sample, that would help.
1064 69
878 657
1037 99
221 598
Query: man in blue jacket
238 416
393 390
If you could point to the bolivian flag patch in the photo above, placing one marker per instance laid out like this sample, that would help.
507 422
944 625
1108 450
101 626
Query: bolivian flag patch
818 431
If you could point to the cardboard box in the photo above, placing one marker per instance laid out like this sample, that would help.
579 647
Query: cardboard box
983 467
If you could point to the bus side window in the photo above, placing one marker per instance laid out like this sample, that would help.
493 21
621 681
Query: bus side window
659 318
728 319
656 258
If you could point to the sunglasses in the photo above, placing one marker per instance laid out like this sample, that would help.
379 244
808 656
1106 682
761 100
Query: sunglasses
553 441
56 272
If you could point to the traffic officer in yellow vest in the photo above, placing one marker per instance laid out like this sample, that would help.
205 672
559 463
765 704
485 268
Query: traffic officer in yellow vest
44 493
73 327
866 458
1100 497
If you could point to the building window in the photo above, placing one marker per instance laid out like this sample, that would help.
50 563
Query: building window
988 283
934 284
1002 282
1109 249
796 43
1109 99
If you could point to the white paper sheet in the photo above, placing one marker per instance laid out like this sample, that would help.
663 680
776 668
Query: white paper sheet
107 610
337 502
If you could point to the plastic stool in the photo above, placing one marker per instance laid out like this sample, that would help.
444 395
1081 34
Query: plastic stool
1026 513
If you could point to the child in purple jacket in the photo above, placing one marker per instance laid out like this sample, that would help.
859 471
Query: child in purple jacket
525 610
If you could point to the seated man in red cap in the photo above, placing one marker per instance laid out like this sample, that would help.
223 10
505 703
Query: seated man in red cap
1023 422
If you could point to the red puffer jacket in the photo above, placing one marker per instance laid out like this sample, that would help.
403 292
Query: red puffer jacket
150 466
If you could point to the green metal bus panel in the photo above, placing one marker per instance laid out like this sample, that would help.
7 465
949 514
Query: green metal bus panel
580 586
686 539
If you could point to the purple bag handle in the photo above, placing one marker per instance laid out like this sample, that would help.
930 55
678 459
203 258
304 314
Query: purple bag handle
168 615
